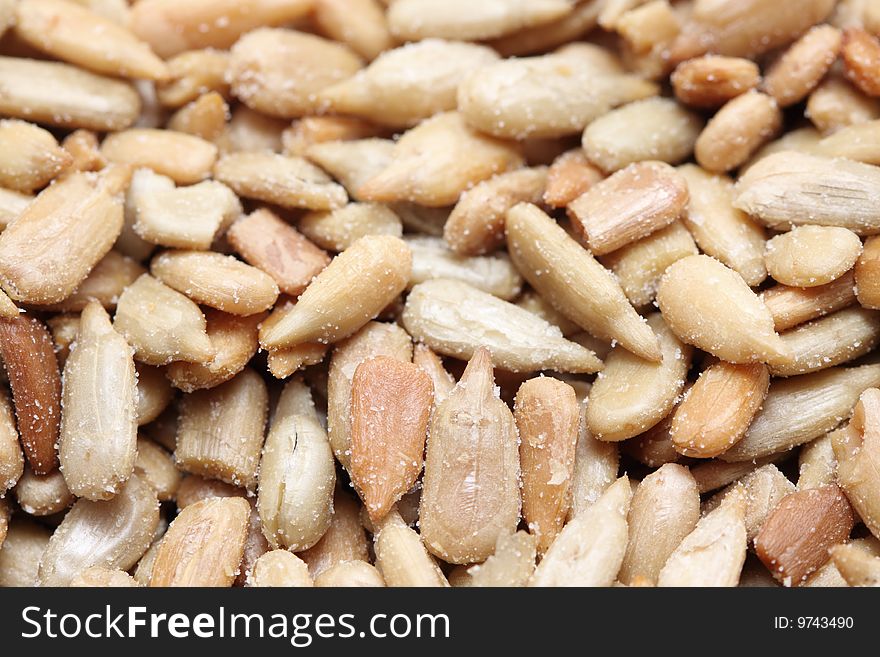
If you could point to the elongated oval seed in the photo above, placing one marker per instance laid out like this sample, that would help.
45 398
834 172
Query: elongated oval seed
714 552
712 80
832 340
738 130
791 306
402 558
494 274
471 485
456 319
569 278
595 467
391 402
801 408
29 360
665 508
639 266
269 243
410 83
67 97
216 280
554 95
460 158
290 182
221 430
476 223
374 339
795 538
73 33
56 241
113 533
591 547
297 477
630 204
721 230
650 129
349 292
719 408
99 425
711 307
353 162
203 545
857 449
11 458
547 414
177 333
30 157
745 28
281 72
633 394
809 256
836 104
171 27
800 69
186 159
791 189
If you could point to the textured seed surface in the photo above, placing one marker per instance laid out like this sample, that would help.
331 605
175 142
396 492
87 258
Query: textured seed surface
296 474
30 364
471 487
547 414
795 538
98 440
451 318
390 405
710 306
203 545
574 282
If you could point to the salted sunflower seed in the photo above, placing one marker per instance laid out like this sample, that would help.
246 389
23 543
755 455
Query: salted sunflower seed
297 476
590 549
410 83
98 439
632 394
665 508
113 533
203 545
456 319
573 282
801 408
471 462
547 414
